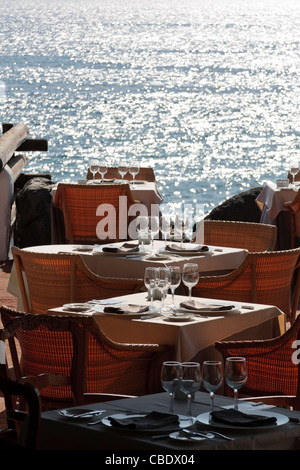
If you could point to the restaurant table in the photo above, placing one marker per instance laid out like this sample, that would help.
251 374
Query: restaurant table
191 337
271 203
63 433
145 192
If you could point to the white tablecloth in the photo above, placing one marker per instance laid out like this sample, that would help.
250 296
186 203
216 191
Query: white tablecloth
191 337
6 198
271 201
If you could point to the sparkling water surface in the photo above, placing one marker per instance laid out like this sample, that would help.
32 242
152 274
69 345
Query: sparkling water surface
205 91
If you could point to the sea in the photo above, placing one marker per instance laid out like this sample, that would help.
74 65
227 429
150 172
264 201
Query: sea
207 92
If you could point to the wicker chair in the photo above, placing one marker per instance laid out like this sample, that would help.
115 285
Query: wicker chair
79 203
293 207
55 279
104 368
145 174
263 278
273 367
251 236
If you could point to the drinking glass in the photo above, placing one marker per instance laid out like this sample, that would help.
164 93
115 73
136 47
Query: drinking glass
94 167
170 374
149 281
133 170
154 229
190 276
162 283
175 279
212 378
165 227
294 170
190 381
236 375
122 170
102 171
143 224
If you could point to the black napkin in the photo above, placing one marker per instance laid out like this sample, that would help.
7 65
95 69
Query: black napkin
153 420
197 305
182 249
130 308
238 418
125 248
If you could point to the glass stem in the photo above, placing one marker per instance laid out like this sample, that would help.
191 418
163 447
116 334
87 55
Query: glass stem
212 401
235 394
189 398
171 402
190 292
151 296
173 292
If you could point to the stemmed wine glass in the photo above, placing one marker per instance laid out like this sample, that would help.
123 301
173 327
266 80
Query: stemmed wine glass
175 276
149 281
133 170
154 229
190 381
162 283
170 374
212 378
294 170
190 276
94 167
236 375
165 227
102 171
122 170
143 224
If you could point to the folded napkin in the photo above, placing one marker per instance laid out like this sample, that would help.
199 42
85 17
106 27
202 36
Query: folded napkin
197 305
182 249
238 418
130 308
125 248
152 420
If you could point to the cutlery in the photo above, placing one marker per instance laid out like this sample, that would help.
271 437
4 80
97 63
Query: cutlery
207 435
95 422
83 415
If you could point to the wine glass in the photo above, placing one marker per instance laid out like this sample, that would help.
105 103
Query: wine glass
190 276
162 283
154 229
236 375
212 378
149 281
102 170
170 374
133 170
94 167
190 381
175 279
122 170
143 224
165 227
294 170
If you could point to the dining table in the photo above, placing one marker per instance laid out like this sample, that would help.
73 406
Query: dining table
119 428
271 202
190 332
145 192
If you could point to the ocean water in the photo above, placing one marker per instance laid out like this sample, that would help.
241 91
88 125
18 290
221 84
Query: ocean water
205 91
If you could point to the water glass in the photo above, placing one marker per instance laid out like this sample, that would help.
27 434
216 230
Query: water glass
170 374
212 378
143 228
122 170
236 375
190 381
162 283
154 229
175 279
294 170
190 276
149 281
94 167
165 227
